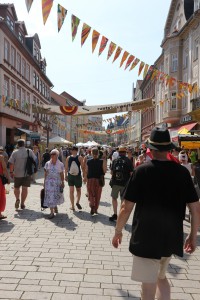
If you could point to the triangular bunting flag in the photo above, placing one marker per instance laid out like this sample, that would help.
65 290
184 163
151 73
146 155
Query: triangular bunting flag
112 48
62 12
95 38
46 8
75 23
129 61
104 42
124 57
85 32
28 4
141 67
145 70
117 53
134 64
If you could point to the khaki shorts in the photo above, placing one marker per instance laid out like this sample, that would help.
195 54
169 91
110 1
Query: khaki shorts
148 270
22 181
116 190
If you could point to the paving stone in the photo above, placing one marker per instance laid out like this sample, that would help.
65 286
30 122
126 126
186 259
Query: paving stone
10 294
7 286
58 296
90 291
36 296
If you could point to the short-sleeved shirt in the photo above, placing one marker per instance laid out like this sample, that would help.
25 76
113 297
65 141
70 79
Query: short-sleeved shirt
18 158
161 190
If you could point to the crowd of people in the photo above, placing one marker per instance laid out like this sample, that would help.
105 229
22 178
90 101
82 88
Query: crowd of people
159 181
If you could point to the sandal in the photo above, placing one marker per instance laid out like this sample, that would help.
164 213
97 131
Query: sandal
56 210
2 217
72 208
17 204
51 216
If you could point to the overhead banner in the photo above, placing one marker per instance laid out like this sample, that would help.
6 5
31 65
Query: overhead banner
96 109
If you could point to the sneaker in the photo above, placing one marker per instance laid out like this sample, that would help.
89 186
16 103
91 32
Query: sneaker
113 218
78 206
17 204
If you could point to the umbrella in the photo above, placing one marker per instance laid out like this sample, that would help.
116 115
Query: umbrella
59 140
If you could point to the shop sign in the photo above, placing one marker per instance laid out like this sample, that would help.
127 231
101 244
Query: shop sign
186 119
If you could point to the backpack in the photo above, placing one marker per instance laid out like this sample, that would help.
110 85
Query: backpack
120 170
74 169
31 166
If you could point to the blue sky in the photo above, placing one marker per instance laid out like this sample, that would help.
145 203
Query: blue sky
136 26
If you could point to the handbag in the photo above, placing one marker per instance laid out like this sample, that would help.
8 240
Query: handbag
42 194
101 180
4 179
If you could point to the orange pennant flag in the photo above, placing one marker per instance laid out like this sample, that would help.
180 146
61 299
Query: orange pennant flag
117 53
141 67
124 57
112 48
145 70
129 61
85 32
134 64
104 42
95 38
46 8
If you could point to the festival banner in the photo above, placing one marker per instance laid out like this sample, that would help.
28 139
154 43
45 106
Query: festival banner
145 70
94 110
117 53
134 64
111 49
129 61
85 32
141 67
95 38
124 57
46 8
103 44
75 21
62 12
28 4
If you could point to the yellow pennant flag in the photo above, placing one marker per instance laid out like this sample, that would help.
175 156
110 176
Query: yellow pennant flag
28 4
145 70
62 12
134 64
141 67
117 53
111 49
85 32
46 8
95 38
124 57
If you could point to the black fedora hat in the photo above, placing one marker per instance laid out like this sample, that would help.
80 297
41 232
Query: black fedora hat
160 140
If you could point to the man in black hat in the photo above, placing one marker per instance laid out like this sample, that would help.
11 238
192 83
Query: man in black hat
160 191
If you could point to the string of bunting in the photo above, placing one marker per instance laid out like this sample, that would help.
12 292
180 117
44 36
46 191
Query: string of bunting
131 60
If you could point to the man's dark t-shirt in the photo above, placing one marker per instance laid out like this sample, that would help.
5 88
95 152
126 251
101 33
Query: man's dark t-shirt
160 190
127 170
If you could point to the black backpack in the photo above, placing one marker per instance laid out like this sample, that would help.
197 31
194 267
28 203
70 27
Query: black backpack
31 166
121 170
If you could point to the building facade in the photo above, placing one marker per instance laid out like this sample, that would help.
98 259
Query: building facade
23 80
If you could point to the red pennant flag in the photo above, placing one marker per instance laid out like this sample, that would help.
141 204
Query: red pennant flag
85 32
111 49
117 53
95 38
141 67
129 61
104 42
46 8
124 57
134 64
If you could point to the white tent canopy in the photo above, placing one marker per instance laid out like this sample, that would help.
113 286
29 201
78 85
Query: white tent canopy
79 144
58 140
90 144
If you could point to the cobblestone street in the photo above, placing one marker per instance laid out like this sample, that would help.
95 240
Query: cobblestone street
71 256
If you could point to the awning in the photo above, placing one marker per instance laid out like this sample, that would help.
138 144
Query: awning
33 135
25 130
175 131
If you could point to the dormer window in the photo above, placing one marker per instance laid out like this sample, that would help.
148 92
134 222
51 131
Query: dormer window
10 22
21 38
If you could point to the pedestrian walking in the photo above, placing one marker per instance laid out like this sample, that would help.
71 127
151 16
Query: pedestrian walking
3 172
160 191
74 165
121 171
37 155
45 157
94 172
53 183
17 162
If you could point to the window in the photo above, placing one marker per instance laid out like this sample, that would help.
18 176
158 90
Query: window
13 90
23 68
43 88
28 72
195 90
166 103
185 59
34 79
13 57
196 49
6 86
174 62
21 38
18 63
19 95
37 82
6 50
40 86
28 102
10 22
173 101
23 100
184 102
